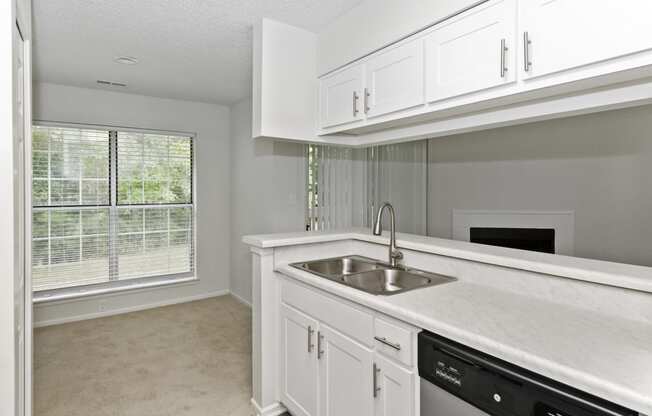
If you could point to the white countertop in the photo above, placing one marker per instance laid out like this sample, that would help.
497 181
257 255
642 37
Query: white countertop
606 356
603 272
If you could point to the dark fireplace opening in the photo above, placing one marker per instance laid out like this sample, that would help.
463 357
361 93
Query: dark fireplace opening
533 239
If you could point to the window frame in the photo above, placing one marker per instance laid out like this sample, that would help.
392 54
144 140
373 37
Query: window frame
114 284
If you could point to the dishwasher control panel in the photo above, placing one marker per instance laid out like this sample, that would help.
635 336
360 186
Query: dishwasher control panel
499 388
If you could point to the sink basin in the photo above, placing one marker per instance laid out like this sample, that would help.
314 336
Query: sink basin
372 276
390 281
340 266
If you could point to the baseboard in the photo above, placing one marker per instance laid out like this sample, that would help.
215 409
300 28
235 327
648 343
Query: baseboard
274 409
241 299
135 308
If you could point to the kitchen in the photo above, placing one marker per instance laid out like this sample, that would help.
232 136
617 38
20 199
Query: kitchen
353 208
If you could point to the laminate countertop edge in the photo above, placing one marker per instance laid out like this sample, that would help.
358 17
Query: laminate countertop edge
595 271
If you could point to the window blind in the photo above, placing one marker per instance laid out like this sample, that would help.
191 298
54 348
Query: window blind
109 206
154 205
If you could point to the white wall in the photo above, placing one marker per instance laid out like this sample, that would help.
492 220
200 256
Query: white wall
212 150
8 356
376 23
267 192
598 165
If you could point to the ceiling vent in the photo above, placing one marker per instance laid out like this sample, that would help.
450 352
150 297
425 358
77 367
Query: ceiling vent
111 83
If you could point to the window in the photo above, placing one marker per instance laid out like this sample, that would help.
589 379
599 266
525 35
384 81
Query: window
110 205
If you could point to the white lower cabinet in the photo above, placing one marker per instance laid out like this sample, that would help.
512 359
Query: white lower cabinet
299 367
345 375
395 388
326 370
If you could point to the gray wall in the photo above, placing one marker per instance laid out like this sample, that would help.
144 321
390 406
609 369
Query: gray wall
267 192
211 124
598 165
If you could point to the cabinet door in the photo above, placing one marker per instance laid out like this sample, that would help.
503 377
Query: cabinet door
395 388
299 391
566 34
346 376
341 97
472 52
394 79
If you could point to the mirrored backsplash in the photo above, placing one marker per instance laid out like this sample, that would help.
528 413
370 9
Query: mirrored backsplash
585 179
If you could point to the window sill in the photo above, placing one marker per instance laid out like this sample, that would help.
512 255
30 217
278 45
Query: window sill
73 293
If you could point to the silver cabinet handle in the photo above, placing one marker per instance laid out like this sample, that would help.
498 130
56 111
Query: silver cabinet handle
526 51
366 100
320 352
503 58
375 378
355 103
310 344
383 340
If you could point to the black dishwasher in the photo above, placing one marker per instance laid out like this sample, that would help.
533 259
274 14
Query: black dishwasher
460 381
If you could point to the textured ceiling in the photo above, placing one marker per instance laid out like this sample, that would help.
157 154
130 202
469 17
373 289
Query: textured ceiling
187 49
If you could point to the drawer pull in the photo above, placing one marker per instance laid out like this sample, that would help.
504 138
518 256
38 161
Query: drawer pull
383 340
375 380
503 58
310 344
527 65
355 104
320 352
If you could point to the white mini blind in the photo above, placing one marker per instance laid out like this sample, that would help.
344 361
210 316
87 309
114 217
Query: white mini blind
110 206
154 205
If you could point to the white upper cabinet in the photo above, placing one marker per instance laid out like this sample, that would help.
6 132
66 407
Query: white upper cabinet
567 34
473 51
494 63
299 389
341 97
394 79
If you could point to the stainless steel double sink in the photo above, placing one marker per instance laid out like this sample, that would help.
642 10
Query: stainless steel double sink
371 276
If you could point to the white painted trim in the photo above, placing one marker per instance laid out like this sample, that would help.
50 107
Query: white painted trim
240 299
584 102
260 251
127 291
275 409
563 222
131 308
114 287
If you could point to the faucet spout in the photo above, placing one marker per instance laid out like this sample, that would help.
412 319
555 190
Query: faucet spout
394 254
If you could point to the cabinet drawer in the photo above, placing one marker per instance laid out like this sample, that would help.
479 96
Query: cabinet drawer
393 340
339 314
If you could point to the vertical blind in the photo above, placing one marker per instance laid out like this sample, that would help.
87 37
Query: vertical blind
110 205
345 187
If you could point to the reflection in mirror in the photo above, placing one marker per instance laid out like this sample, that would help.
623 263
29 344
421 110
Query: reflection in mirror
578 186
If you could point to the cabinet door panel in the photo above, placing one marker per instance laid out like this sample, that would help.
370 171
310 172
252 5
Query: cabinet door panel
299 391
397 393
346 374
341 97
473 51
568 34
394 79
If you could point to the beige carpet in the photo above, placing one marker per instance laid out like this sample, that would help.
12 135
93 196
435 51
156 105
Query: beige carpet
189 359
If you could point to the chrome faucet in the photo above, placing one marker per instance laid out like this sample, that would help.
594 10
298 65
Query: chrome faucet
394 254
